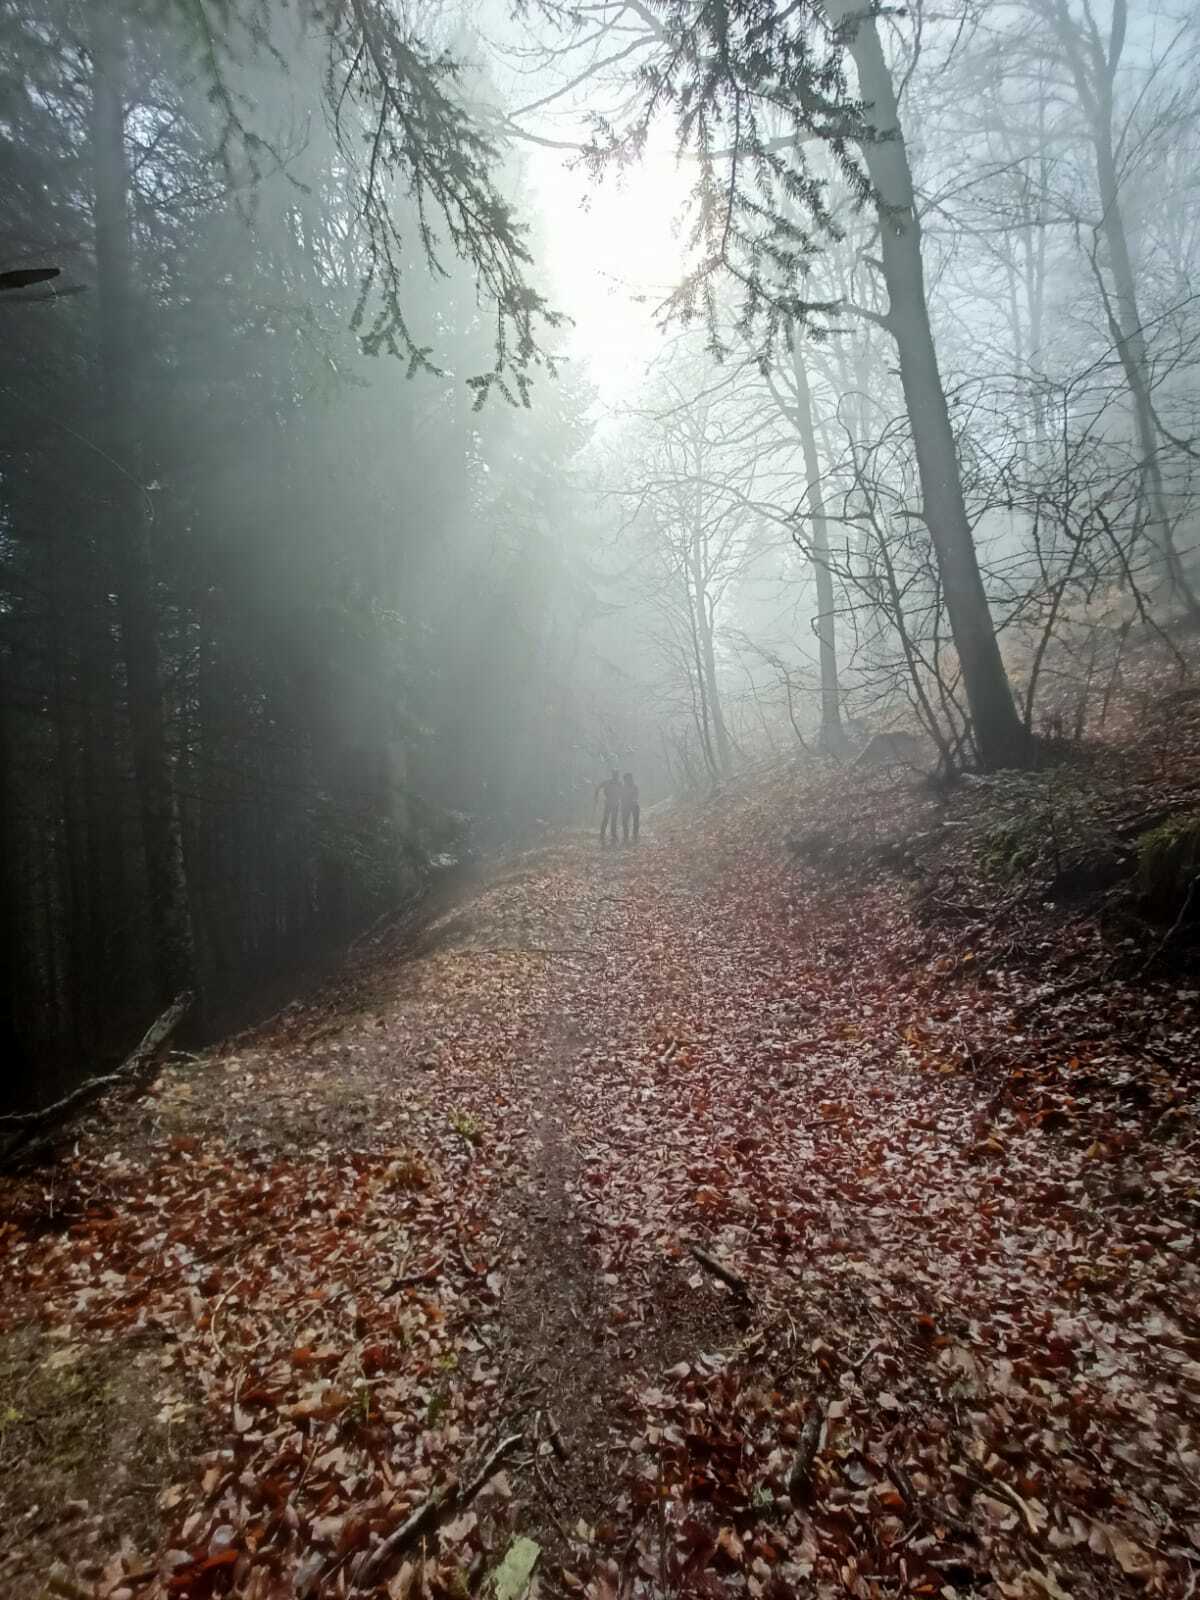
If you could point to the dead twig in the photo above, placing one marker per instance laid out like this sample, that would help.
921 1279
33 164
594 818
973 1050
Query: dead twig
212 1322
931 1512
552 1433
1051 994
428 1514
800 1477
552 1508
551 1502
426 1275
997 1486
871 1350
1180 919
476 1272
730 1279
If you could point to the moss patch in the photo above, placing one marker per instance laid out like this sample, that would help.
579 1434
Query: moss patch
1168 867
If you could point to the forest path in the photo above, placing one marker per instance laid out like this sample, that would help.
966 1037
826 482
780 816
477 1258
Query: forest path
455 1201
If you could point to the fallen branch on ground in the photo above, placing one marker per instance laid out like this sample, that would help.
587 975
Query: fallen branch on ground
997 1486
560 1449
1180 919
1050 994
731 1279
800 1477
429 1513
411 1279
35 1129
933 1512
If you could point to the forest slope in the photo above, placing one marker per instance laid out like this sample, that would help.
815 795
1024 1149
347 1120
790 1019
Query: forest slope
311 1282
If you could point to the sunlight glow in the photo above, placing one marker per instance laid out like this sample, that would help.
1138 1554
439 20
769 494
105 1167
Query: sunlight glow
613 252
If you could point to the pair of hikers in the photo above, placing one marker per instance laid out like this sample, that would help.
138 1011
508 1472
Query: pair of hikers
620 800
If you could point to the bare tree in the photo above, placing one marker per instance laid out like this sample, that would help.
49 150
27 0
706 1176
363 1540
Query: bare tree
696 527
751 96
1094 63
792 391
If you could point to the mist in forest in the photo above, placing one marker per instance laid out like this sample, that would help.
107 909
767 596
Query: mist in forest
414 413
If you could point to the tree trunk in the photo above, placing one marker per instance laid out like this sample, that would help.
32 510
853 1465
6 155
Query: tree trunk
833 736
1095 91
707 664
15 939
700 706
720 731
70 831
162 842
1135 364
105 876
999 734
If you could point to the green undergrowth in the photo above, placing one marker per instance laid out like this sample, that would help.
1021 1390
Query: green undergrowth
1050 829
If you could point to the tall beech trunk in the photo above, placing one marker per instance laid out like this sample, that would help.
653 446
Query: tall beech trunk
999 734
703 628
709 663
162 843
833 735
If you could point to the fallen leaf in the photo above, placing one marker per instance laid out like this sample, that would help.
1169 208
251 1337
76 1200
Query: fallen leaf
511 1579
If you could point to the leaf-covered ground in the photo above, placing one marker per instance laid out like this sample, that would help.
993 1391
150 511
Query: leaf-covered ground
455 1207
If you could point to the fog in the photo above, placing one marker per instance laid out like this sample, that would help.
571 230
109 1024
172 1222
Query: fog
414 413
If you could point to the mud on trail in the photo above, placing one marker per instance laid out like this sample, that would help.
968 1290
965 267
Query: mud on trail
457 1203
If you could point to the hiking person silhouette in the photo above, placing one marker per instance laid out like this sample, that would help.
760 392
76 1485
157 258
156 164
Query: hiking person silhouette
631 810
610 788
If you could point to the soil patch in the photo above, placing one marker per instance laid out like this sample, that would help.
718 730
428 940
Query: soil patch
91 1438
577 1351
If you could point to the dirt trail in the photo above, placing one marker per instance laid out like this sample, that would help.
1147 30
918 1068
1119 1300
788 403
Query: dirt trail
368 1243
575 1346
